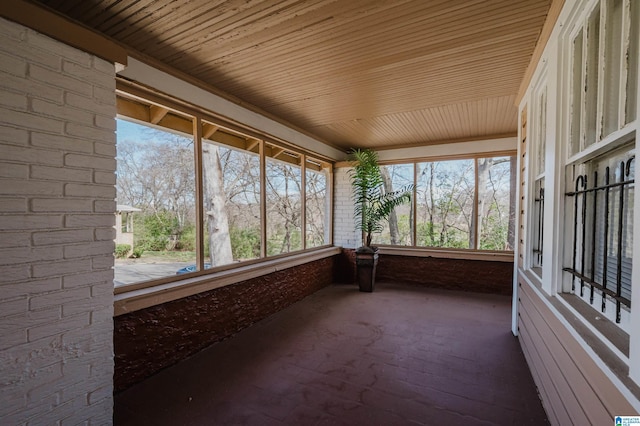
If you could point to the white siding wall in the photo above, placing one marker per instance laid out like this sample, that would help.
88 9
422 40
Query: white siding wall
57 164
581 377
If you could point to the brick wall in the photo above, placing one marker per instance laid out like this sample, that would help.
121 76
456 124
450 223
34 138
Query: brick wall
344 232
57 164
154 338
479 276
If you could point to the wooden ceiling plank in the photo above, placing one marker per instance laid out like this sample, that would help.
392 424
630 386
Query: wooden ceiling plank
130 12
232 27
337 36
199 19
435 37
356 73
140 20
466 59
309 30
464 55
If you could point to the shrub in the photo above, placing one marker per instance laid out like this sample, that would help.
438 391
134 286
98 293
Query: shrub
122 250
154 230
137 252
187 239
245 243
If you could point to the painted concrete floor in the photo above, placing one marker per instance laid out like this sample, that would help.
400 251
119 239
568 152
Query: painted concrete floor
403 355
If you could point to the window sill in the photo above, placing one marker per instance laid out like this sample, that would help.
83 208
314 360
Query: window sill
495 256
136 299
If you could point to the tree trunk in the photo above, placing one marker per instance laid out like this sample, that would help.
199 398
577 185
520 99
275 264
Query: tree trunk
394 232
433 205
484 166
214 207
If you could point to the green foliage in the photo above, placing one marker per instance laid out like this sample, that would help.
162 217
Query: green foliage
153 231
436 235
277 243
137 253
122 250
493 233
187 239
372 205
245 243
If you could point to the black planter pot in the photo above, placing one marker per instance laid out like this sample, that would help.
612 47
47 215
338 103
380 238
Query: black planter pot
366 263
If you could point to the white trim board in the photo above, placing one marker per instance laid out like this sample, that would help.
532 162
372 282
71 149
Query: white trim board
173 86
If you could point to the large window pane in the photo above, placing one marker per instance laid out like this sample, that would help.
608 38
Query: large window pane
495 213
445 196
611 77
317 204
576 94
156 203
398 229
631 104
231 197
591 79
284 210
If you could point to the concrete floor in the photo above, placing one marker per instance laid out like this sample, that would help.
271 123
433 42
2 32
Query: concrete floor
132 273
400 356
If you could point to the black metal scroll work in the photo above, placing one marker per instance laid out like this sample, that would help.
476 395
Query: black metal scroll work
605 195
539 207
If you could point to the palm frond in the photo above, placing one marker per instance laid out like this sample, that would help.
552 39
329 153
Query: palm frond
372 205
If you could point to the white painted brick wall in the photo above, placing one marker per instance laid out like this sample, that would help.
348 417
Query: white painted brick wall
57 149
344 232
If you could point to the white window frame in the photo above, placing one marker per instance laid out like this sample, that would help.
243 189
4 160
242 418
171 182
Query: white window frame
538 135
555 279
264 144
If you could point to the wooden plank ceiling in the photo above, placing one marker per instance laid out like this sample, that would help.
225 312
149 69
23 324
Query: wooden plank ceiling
355 73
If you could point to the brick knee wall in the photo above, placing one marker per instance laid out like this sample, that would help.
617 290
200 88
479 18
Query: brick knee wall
154 338
452 274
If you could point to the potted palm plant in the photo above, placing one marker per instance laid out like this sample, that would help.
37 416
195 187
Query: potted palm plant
373 205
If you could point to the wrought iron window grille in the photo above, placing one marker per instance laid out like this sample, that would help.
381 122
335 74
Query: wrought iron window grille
606 224
539 209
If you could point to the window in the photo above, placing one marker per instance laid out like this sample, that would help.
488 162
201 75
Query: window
460 204
399 229
156 182
601 168
602 215
444 197
496 179
539 139
317 204
231 200
284 204
202 194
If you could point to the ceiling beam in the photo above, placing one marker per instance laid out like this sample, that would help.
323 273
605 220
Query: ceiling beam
156 113
208 130
252 143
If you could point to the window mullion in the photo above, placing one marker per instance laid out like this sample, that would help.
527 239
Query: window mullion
414 207
263 201
303 200
330 210
475 212
197 146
